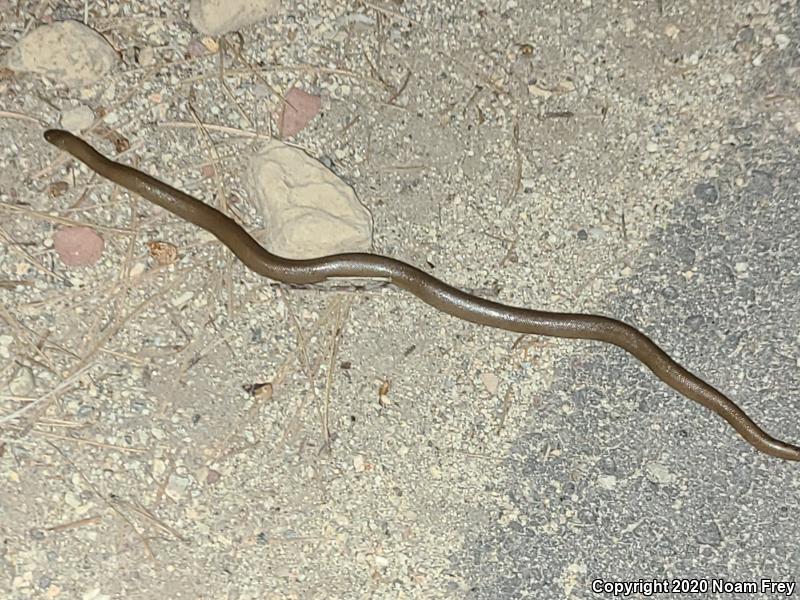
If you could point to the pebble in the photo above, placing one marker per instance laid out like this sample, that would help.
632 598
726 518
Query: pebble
381 561
177 485
598 233
77 118
22 581
216 17
78 246
22 383
491 382
67 52
607 482
72 500
138 269
85 411
147 56
297 112
6 341
182 299
359 464
706 192
159 467
658 473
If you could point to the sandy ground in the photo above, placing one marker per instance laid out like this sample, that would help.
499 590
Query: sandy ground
638 160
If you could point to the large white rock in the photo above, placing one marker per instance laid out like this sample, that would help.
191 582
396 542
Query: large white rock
309 211
216 17
67 51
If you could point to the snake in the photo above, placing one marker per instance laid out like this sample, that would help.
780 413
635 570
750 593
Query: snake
427 288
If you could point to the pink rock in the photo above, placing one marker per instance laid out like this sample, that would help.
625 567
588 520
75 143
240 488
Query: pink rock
304 107
78 246
196 49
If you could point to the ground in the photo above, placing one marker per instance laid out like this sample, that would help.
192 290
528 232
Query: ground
633 159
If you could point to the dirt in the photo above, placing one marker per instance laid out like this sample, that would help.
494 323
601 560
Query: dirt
221 436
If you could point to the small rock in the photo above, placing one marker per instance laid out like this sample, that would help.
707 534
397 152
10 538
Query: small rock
85 411
708 533
78 246
539 92
651 147
77 118
381 561
182 299
23 382
658 473
138 269
566 86
598 233
72 500
309 212
22 581
298 110
782 40
67 51
359 464
163 253
177 485
6 341
216 17
706 192
491 382
607 482
628 25
159 467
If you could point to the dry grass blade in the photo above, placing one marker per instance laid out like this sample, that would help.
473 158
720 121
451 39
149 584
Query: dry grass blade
336 329
110 504
47 397
12 245
149 516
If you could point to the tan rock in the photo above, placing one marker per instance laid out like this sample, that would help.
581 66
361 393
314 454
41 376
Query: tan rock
67 52
216 17
309 211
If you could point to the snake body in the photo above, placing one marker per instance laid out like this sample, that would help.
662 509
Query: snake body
427 288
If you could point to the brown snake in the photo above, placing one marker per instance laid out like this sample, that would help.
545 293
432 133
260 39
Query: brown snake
426 287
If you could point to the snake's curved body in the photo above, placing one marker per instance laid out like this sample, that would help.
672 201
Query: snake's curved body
438 294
